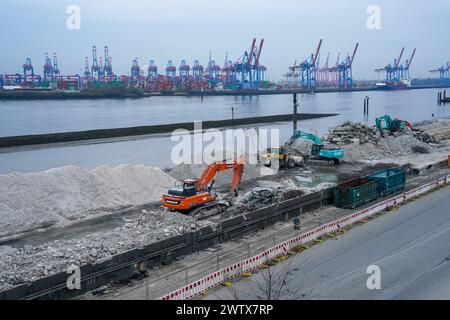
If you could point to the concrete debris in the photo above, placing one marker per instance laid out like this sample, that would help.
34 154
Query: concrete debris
438 129
27 264
349 133
258 197
61 196
361 142
291 194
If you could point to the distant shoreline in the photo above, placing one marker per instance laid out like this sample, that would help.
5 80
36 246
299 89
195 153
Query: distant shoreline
29 94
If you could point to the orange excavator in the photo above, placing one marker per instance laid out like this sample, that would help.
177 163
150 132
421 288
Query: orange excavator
195 198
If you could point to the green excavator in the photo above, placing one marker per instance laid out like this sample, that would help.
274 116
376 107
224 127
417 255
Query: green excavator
386 124
319 154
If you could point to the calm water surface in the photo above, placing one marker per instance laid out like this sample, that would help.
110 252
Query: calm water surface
34 117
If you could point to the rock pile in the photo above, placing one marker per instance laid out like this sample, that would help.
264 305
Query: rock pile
57 197
361 142
349 132
25 265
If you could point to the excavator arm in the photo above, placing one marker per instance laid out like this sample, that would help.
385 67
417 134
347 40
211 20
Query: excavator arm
206 181
318 148
303 135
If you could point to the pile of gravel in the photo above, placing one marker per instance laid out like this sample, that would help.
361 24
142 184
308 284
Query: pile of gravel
388 147
57 197
25 265
361 142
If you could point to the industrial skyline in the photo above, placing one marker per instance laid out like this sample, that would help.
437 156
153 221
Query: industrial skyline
176 30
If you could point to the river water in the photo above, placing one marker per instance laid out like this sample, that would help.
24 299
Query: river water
35 117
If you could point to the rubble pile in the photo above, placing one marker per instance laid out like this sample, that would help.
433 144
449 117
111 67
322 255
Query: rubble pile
361 142
58 197
259 197
349 132
25 265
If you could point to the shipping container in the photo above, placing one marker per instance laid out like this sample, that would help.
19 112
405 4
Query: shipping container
356 192
389 180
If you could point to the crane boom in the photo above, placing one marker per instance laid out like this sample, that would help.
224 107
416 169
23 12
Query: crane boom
354 53
259 52
213 169
399 58
249 58
317 53
411 59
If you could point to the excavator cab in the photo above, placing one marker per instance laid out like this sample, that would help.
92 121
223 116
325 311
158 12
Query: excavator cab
316 149
188 189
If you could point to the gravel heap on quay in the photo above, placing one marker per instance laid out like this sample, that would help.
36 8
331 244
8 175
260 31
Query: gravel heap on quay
25 265
361 142
61 196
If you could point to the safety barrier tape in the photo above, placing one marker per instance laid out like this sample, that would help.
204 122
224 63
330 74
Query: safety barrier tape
196 288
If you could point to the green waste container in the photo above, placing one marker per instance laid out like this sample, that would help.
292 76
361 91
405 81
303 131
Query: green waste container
354 193
389 180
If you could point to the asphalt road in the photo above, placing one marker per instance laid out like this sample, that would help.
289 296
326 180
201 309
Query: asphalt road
411 246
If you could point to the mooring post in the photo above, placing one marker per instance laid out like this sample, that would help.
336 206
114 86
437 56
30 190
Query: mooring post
294 114
439 98
365 105
201 93
368 104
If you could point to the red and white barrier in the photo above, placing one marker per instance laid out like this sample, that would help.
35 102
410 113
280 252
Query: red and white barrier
230 272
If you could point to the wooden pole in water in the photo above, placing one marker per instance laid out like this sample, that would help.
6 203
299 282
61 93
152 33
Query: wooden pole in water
294 114
365 105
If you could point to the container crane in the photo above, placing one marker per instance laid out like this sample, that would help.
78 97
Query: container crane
391 70
259 70
28 69
345 70
308 69
171 70
101 70
135 70
152 71
228 73
184 69
95 68
48 68
29 77
87 70
213 71
197 71
108 63
444 73
404 70
248 69
56 72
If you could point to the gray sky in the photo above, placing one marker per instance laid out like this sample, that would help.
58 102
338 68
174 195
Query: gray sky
181 29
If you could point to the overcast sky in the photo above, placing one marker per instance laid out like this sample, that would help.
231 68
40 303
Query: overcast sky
182 29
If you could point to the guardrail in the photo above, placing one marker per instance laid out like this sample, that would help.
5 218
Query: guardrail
212 280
